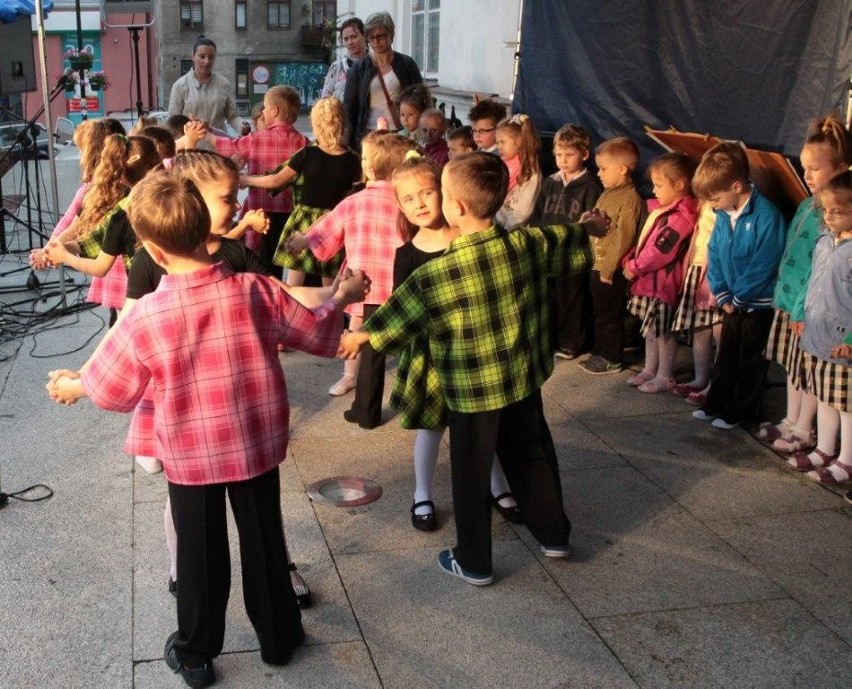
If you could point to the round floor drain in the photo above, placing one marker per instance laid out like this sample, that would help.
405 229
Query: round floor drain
344 491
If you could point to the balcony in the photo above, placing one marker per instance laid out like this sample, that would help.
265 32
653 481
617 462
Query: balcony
312 36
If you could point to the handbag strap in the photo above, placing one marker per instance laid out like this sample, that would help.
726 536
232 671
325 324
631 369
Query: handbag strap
391 106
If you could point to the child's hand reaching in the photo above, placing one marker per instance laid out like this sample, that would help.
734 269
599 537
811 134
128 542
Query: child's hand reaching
352 287
595 222
297 243
351 343
64 386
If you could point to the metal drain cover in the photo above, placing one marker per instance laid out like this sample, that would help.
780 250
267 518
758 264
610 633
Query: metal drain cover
344 491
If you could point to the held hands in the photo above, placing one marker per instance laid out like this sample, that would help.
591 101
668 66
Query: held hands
595 222
39 260
297 243
64 386
194 131
798 327
257 220
351 343
352 287
729 308
55 252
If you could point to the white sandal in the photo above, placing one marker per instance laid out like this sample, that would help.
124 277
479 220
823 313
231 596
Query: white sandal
342 386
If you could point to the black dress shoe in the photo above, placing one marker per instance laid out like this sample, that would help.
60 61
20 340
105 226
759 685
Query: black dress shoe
350 416
424 522
196 676
510 514
173 587
303 593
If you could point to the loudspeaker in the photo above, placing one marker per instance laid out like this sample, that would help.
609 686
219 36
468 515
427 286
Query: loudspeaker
17 63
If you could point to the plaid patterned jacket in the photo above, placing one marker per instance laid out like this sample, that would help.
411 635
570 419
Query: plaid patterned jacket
483 305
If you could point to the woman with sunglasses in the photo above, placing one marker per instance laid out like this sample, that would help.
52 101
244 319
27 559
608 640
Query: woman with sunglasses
374 83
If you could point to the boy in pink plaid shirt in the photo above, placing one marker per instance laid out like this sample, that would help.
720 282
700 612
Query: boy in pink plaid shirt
208 339
367 225
264 150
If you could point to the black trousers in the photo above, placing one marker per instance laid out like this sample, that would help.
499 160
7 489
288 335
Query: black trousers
522 440
736 384
370 382
610 306
573 312
269 242
204 567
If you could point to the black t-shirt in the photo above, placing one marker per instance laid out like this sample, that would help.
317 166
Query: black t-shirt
145 274
119 238
409 258
337 172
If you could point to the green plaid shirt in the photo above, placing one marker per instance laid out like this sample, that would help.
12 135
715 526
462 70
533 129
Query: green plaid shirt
90 242
483 305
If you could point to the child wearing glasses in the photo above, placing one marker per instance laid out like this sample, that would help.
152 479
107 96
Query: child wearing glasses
484 117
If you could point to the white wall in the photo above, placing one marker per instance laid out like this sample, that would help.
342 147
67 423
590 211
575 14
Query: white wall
473 56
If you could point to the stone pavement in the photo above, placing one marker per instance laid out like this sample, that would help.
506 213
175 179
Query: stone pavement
699 561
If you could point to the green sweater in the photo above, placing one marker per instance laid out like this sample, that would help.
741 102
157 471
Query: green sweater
794 273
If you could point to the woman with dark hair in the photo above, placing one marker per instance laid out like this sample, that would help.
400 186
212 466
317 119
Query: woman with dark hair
203 94
353 39
374 83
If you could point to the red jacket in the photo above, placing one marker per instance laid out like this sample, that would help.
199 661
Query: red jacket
657 261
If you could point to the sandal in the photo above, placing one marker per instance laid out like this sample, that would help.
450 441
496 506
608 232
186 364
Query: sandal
793 441
685 389
831 475
511 514
424 522
300 588
696 398
656 385
801 461
638 378
769 432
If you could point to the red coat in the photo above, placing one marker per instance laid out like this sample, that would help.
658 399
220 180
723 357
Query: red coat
657 261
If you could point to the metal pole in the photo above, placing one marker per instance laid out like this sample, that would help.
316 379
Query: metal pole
48 119
135 31
83 111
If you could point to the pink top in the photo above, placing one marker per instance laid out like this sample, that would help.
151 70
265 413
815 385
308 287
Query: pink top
72 211
208 342
366 225
265 150
658 259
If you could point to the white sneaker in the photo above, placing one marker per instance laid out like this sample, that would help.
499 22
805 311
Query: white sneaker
702 415
150 464
724 425
342 386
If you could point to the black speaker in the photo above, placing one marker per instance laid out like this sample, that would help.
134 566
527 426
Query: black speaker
17 62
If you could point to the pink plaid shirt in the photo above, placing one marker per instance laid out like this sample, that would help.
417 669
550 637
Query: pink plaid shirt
265 150
208 341
366 225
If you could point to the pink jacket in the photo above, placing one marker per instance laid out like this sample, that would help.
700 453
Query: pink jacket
657 261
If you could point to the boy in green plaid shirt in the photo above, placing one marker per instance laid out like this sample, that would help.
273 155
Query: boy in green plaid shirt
484 307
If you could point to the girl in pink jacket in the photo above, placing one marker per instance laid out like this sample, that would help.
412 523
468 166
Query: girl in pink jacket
655 268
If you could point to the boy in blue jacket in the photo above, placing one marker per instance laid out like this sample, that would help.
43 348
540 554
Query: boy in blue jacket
743 256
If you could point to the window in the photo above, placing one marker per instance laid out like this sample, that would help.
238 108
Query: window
278 15
425 34
240 14
323 11
191 14
241 69
185 66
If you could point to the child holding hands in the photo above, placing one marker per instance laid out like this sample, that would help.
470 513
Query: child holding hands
212 309
365 224
655 267
488 294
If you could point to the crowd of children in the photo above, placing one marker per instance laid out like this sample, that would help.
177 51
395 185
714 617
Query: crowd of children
456 256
